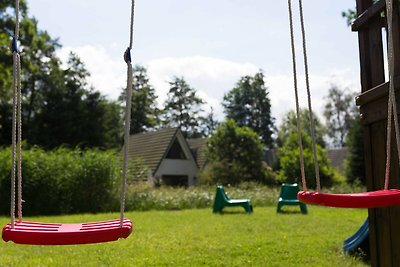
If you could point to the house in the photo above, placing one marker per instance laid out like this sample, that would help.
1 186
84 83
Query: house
167 155
337 158
197 146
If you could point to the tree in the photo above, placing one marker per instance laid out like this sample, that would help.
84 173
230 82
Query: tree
289 159
209 124
58 106
289 126
354 163
27 30
235 155
36 49
340 112
249 105
144 111
72 113
183 108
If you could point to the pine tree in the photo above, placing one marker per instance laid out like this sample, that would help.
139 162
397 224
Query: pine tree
183 108
249 105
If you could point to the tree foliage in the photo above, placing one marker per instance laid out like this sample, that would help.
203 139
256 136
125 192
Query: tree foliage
355 163
249 105
340 112
58 105
183 108
209 124
289 156
235 155
289 126
144 110
88 119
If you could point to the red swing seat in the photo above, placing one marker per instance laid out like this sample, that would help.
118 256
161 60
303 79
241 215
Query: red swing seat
373 199
36 233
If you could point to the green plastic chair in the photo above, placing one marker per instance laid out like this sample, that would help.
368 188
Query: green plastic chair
288 197
222 200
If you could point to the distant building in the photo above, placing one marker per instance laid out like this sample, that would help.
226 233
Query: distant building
170 158
173 160
337 158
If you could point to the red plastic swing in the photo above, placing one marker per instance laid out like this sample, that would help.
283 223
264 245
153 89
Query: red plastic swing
374 199
37 233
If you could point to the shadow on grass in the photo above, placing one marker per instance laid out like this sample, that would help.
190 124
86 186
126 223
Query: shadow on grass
286 212
233 212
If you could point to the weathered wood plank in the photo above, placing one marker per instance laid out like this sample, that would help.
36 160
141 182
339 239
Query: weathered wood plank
371 13
376 92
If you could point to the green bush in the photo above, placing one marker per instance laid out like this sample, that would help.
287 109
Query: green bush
63 181
234 155
290 162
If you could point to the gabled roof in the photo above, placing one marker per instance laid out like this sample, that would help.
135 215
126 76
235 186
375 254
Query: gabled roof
337 157
197 146
151 146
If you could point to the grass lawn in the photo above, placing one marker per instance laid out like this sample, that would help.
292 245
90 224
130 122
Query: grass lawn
198 237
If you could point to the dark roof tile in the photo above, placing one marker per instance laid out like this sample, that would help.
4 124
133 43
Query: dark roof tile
151 146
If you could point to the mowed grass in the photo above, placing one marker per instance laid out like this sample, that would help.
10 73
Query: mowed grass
198 237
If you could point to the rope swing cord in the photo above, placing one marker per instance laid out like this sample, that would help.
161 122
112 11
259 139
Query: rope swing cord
392 108
128 60
298 121
16 124
311 117
372 199
36 233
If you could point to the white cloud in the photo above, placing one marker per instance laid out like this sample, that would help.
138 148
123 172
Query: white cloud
282 96
108 74
211 77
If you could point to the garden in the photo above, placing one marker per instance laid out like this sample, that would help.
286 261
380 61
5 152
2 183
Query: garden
71 165
172 225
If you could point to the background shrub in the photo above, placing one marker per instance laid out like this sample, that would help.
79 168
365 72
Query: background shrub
63 181
290 162
234 154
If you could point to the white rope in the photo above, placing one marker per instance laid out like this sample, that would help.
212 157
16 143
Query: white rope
392 107
16 109
128 60
299 138
19 147
312 122
14 140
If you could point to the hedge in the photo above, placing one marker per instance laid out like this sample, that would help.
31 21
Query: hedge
63 181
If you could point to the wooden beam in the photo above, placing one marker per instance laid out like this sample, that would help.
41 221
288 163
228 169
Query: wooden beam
372 13
376 92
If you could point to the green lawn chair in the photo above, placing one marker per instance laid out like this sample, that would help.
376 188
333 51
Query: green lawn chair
222 200
288 197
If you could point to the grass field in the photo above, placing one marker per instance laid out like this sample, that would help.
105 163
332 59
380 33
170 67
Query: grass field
197 237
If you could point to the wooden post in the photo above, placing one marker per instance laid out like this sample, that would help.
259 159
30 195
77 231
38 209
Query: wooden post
384 223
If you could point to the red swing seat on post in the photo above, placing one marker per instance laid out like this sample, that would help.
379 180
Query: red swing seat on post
373 199
37 233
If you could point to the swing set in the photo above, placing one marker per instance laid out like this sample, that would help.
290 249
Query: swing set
373 199
38 233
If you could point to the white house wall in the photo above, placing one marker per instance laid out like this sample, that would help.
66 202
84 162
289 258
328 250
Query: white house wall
178 167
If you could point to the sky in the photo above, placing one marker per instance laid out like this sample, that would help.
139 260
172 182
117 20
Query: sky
210 43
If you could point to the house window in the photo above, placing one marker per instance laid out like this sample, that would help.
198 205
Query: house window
176 151
175 180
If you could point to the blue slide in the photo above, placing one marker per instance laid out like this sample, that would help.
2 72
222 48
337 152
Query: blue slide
359 239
